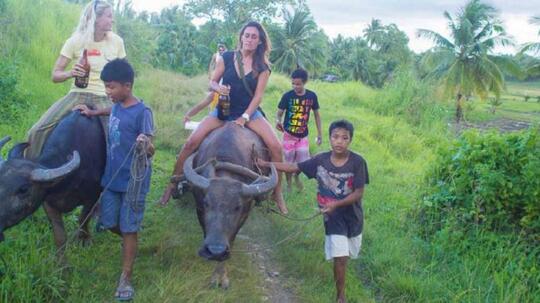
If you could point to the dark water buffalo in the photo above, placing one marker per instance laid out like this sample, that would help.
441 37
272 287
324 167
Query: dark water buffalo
225 188
65 175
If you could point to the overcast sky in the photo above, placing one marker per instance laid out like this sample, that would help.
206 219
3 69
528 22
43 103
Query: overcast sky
350 17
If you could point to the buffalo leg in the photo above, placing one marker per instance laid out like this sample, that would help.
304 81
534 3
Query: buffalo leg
57 223
220 277
84 218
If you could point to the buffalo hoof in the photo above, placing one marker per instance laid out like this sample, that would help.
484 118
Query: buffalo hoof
84 238
223 284
220 277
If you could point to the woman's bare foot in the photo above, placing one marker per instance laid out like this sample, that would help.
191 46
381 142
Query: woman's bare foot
289 188
167 194
280 202
299 185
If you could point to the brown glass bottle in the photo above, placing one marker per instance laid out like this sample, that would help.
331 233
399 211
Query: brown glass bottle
224 107
82 82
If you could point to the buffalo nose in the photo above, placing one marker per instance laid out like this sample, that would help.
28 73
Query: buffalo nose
217 249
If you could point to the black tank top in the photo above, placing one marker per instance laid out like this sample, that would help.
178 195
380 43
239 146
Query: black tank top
240 97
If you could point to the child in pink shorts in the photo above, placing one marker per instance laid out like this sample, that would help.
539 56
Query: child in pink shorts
297 105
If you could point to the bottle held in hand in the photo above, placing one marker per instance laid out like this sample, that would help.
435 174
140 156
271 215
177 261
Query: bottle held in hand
224 107
82 82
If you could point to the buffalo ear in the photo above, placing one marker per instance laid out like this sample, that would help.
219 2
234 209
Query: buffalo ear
17 152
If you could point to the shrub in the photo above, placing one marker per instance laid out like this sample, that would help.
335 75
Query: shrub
411 98
490 180
12 100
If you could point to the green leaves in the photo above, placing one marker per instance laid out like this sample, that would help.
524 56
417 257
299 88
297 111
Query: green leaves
298 43
492 180
13 101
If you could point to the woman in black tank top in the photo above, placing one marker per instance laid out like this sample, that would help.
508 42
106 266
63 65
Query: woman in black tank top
245 96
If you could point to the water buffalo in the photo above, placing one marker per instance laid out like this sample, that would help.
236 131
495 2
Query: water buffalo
225 187
66 174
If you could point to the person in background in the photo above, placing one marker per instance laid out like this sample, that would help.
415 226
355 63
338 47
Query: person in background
297 105
211 98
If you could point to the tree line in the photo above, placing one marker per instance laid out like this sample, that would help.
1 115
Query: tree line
464 63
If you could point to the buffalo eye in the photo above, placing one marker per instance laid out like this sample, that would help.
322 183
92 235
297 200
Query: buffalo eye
23 190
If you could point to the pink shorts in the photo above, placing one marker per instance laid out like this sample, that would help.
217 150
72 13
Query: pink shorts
295 149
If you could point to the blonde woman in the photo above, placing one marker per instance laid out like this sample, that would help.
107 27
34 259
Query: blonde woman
93 34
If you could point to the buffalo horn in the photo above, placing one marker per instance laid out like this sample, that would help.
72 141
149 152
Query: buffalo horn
261 188
192 176
17 152
52 174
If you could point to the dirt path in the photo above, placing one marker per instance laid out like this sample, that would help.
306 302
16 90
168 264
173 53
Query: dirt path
260 248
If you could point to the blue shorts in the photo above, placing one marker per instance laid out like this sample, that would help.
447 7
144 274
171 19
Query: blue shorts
117 211
256 115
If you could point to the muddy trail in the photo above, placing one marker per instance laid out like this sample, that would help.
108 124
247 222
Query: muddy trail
254 241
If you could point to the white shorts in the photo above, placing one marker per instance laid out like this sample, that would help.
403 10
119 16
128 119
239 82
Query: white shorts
341 246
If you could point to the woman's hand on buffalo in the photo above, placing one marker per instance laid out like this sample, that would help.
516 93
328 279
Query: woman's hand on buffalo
85 111
240 121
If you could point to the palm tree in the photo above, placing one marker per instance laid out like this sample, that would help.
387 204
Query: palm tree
374 33
533 47
299 43
464 63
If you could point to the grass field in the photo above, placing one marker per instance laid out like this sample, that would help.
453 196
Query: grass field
513 105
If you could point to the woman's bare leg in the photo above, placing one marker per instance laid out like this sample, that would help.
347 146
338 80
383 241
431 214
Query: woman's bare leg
262 128
207 125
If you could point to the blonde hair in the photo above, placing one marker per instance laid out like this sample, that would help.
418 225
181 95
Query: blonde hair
84 32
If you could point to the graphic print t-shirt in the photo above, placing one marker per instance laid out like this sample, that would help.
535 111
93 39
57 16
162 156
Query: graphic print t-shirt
336 183
125 125
297 109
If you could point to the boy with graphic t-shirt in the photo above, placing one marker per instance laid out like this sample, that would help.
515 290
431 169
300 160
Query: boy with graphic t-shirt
297 105
131 128
341 176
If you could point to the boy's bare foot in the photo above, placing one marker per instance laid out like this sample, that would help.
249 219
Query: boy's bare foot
341 300
166 196
280 202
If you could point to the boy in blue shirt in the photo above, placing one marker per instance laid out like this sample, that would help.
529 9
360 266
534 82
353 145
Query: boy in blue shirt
341 176
130 128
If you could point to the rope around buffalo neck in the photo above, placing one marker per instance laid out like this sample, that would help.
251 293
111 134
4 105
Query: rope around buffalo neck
290 236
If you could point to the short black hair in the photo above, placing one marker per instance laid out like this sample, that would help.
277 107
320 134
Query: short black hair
341 124
300 74
118 70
